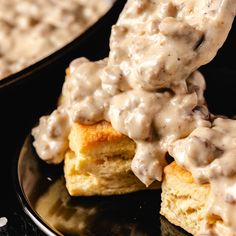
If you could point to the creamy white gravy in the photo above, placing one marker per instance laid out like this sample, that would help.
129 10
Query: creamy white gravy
32 29
148 87
210 154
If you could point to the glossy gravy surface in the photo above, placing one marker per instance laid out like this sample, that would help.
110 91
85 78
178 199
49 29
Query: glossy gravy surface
149 89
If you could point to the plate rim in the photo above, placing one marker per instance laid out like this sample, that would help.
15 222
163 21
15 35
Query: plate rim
22 198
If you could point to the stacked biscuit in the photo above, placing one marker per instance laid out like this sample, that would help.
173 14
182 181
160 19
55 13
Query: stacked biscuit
183 200
98 162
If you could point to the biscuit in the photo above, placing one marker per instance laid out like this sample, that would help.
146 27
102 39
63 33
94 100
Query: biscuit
183 200
99 162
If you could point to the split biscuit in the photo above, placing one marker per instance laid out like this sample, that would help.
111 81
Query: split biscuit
183 200
98 162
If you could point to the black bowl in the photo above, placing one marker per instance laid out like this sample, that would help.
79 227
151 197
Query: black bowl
71 50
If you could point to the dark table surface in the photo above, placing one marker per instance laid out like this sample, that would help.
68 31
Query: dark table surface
12 133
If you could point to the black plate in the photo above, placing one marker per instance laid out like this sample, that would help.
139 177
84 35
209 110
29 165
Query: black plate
44 197
132 214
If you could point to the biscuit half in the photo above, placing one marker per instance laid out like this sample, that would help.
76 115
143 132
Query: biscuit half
99 162
183 200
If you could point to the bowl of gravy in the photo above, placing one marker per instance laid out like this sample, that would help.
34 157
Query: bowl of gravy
32 32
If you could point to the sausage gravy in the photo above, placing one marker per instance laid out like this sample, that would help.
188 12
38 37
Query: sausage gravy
150 90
